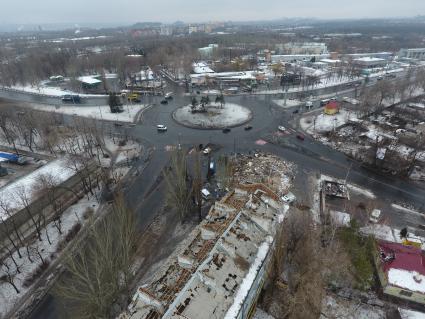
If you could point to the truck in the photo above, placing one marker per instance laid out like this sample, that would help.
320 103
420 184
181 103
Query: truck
12 158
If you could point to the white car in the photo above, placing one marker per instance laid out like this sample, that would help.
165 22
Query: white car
161 128
308 104
207 150
281 128
289 198
374 217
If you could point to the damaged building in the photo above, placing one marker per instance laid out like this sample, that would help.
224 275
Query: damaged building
221 269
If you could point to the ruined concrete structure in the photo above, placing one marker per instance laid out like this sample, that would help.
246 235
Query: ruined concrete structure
221 271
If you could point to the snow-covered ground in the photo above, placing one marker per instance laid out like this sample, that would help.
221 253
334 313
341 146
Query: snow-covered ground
410 314
261 314
25 187
289 103
96 112
230 115
334 307
49 90
325 123
70 217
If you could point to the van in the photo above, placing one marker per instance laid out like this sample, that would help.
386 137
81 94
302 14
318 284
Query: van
205 194
374 216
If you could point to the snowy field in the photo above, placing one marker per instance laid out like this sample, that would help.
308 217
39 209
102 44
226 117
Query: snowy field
325 123
13 195
49 90
73 215
216 117
97 112
289 103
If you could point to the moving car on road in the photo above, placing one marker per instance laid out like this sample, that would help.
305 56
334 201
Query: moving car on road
164 102
161 128
248 127
168 96
69 98
281 128
226 130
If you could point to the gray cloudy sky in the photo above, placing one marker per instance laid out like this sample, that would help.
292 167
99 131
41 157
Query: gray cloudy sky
129 11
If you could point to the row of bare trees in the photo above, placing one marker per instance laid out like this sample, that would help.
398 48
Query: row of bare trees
101 271
185 181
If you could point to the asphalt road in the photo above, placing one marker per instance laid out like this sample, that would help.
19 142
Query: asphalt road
144 193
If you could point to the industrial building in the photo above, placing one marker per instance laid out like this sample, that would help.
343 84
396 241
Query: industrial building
416 54
220 270
370 62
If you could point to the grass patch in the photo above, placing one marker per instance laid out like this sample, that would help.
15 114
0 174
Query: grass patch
360 249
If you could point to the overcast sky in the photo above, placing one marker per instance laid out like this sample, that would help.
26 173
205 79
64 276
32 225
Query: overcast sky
130 11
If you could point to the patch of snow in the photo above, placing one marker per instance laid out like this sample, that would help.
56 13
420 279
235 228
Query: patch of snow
59 170
96 112
362 191
325 123
261 314
71 216
410 280
410 314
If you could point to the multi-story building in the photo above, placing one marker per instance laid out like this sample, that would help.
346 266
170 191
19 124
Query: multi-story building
416 54
223 267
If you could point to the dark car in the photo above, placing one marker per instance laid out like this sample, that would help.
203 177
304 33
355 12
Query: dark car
295 112
300 137
69 98
248 127
164 102
226 130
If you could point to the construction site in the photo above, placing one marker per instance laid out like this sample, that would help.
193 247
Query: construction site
220 269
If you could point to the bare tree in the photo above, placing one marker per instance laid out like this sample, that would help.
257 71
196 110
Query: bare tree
178 186
9 276
102 268
24 199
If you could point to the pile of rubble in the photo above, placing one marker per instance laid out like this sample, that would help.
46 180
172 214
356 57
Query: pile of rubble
265 168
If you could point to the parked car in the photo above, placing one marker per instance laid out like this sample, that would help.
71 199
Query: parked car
374 216
169 96
309 104
161 128
205 194
379 78
324 102
226 130
69 98
248 127
289 198
281 128
300 136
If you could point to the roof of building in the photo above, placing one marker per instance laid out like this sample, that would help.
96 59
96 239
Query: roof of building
89 80
201 67
214 273
369 59
403 265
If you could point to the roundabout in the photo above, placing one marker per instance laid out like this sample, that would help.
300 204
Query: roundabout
213 117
